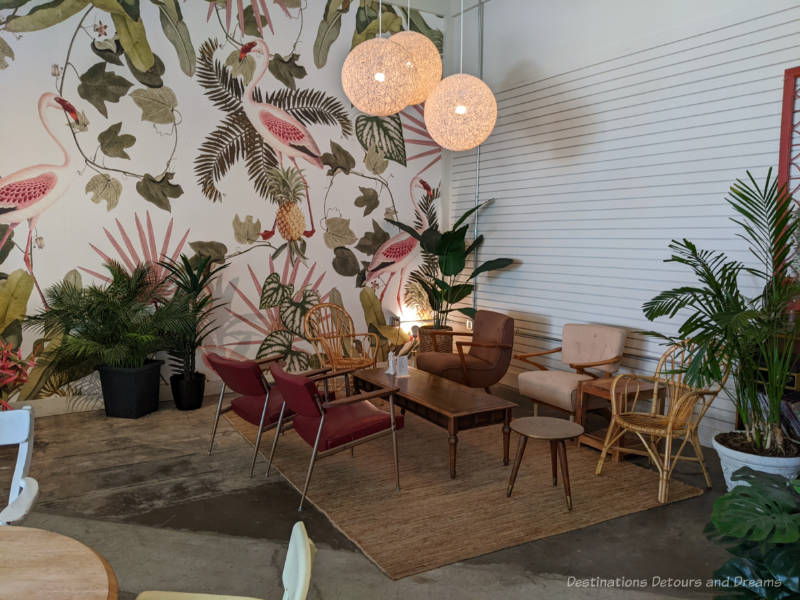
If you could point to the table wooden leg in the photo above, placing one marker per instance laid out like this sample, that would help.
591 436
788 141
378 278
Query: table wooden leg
453 440
523 441
554 460
562 450
506 436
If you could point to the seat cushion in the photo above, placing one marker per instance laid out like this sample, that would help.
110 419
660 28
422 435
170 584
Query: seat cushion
187 596
449 366
251 407
557 388
345 423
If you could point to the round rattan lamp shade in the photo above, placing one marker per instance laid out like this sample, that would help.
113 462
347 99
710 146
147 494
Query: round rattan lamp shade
461 112
376 77
425 57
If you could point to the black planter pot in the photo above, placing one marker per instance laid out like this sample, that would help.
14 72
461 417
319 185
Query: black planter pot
188 393
130 393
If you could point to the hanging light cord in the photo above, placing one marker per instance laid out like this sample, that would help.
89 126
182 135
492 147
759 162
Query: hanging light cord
461 41
380 18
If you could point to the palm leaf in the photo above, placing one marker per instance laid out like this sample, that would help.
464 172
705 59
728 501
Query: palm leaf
311 106
221 149
224 90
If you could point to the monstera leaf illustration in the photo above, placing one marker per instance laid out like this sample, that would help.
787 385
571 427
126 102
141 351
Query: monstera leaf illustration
293 311
273 292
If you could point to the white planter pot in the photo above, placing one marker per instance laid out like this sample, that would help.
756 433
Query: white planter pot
733 460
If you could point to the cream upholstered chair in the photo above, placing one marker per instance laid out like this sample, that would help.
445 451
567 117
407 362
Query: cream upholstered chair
296 576
582 347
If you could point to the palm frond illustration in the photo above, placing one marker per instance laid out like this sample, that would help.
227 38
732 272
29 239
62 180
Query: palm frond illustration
236 139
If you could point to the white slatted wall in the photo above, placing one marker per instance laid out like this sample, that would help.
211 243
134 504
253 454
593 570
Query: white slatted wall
595 170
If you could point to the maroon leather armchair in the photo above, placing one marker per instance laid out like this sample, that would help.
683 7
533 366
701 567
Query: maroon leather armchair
489 352
329 426
258 403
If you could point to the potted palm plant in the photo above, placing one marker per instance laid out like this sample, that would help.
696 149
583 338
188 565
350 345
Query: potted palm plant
449 286
192 281
116 329
751 334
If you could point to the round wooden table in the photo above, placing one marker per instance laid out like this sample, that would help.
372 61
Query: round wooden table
42 564
556 431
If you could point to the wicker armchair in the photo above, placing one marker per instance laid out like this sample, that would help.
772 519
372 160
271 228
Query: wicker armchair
686 407
330 329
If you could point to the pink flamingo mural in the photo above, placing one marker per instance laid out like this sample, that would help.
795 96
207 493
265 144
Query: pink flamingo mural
285 134
400 251
27 193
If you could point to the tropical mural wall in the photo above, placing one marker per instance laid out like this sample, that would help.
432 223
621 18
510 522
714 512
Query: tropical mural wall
138 130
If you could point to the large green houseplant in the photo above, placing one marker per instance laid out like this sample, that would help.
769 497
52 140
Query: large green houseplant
759 524
449 286
752 333
191 281
116 329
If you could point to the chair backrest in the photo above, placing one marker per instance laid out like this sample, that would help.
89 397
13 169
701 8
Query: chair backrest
16 428
242 376
299 393
325 324
671 373
581 344
297 567
493 328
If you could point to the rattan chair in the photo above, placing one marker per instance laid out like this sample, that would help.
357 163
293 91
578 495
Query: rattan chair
685 408
330 329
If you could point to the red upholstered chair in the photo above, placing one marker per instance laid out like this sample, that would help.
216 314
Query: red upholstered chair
330 426
246 377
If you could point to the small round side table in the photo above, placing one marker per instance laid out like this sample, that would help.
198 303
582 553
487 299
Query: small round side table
556 431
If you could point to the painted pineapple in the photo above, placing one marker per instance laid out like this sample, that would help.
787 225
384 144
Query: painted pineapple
286 188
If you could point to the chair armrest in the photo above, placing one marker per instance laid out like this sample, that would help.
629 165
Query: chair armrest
598 363
314 372
484 345
19 509
452 333
624 382
270 359
526 357
360 397
330 374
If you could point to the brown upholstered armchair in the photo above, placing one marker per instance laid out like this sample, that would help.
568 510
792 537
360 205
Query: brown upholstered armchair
583 347
489 352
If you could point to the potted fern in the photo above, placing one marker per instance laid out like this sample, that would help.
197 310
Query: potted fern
192 281
448 286
753 335
115 329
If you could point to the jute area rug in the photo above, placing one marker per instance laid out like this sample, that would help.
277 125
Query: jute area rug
434 520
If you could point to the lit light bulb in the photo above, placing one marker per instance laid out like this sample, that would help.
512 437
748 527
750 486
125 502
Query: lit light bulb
461 109
380 77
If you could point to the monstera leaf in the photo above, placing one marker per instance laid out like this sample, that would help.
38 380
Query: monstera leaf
293 311
277 342
273 292
385 134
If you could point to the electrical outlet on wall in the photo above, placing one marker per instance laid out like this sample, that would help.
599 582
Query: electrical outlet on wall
468 323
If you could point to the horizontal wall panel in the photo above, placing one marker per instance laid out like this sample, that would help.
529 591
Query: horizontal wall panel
593 171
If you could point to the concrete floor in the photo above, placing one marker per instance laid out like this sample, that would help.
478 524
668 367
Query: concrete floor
229 536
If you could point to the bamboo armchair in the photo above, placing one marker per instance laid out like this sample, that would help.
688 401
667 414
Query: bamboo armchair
330 329
686 407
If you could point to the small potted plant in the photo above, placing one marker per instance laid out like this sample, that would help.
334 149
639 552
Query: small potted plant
753 336
192 280
759 523
116 329
449 286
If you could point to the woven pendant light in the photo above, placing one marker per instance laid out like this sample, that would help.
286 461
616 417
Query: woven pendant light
461 111
425 58
378 75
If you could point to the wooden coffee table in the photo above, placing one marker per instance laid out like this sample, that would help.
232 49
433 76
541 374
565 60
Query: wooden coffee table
556 431
445 403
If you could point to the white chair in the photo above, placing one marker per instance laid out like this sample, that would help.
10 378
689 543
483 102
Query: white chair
296 573
16 428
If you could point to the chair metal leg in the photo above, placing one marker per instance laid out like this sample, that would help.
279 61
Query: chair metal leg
535 409
346 385
275 439
216 419
394 443
311 462
258 436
